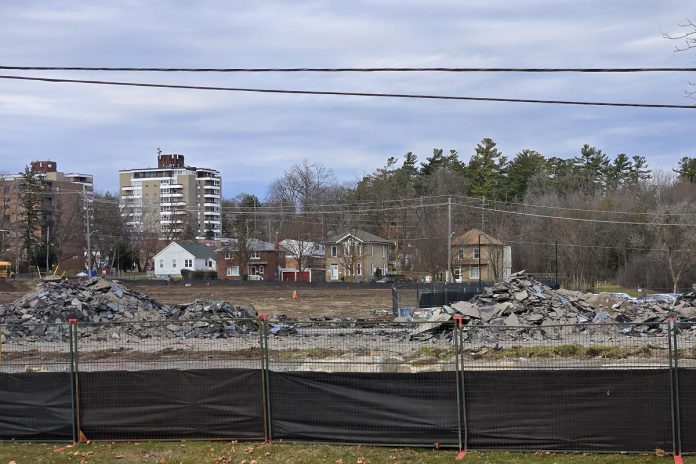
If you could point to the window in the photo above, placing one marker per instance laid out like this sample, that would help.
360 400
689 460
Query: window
334 251
233 270
257 269
462 254
474 272
477 253
358 250
161 263
457 273
173 262
210 263
358 269
188 263
255 255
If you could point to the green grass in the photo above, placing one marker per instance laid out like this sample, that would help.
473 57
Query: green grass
612 288
569 351
237 453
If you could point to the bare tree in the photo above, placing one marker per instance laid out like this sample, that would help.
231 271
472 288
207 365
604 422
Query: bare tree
688 42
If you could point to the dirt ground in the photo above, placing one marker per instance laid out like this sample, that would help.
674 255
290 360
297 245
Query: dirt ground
12 289
357 303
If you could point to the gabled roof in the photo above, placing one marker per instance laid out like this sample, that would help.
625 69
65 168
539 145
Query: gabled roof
198 250
471 237
361 235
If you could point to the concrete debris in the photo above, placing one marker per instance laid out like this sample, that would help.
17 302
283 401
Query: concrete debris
521 301
99 301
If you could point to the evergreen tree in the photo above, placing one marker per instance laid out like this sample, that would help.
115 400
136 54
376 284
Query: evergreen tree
486 169
619 172
593 166
639 169
441 161
687 169
527 164
31 202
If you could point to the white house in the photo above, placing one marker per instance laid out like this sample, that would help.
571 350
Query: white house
184 255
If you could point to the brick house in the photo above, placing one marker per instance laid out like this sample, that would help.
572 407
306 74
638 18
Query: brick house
356 256
264 261
492 261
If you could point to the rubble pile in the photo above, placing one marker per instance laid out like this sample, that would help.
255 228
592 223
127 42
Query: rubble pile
521 301
97 301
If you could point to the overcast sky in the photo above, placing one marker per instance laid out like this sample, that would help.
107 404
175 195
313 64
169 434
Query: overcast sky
252 138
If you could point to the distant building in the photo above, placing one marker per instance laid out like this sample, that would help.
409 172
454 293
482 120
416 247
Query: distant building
263 261
304 261
356 256
184 255
62 219
172 199
492 261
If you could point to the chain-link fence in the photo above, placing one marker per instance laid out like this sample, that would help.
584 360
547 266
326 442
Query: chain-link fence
362 382
582 387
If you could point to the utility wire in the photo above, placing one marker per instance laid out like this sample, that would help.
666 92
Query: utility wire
349 94
566 218
351 69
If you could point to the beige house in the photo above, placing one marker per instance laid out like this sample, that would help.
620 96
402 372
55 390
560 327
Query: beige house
356 256
491 262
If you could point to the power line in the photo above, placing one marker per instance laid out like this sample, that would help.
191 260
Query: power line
350 94
582 210
566 218
351 69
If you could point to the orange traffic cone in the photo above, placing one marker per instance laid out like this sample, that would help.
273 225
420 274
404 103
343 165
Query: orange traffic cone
294 295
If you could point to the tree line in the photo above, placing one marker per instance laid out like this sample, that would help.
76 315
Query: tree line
591 216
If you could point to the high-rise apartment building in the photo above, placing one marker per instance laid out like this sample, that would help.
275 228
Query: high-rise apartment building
172 199
60 216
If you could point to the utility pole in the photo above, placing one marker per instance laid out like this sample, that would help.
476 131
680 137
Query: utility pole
483 212
479 263
89 238
556 282
48 234
449 238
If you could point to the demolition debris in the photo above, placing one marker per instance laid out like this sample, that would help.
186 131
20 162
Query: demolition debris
97 303
521 301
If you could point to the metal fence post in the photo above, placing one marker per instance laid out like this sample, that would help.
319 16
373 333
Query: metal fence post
677 397
462 429
73 399
265 389
75 369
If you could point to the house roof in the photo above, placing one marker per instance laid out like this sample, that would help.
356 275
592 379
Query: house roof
253 244
361 235
306 248
471 237
198 250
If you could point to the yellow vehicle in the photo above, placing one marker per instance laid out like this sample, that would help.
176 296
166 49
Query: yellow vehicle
6 270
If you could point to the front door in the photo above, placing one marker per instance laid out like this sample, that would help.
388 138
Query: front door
334 272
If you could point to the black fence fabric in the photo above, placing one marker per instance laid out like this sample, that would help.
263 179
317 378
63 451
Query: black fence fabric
389 408
611 410
36 406
171 404
485 388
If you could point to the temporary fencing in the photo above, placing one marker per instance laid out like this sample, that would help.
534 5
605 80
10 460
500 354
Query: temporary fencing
585 387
